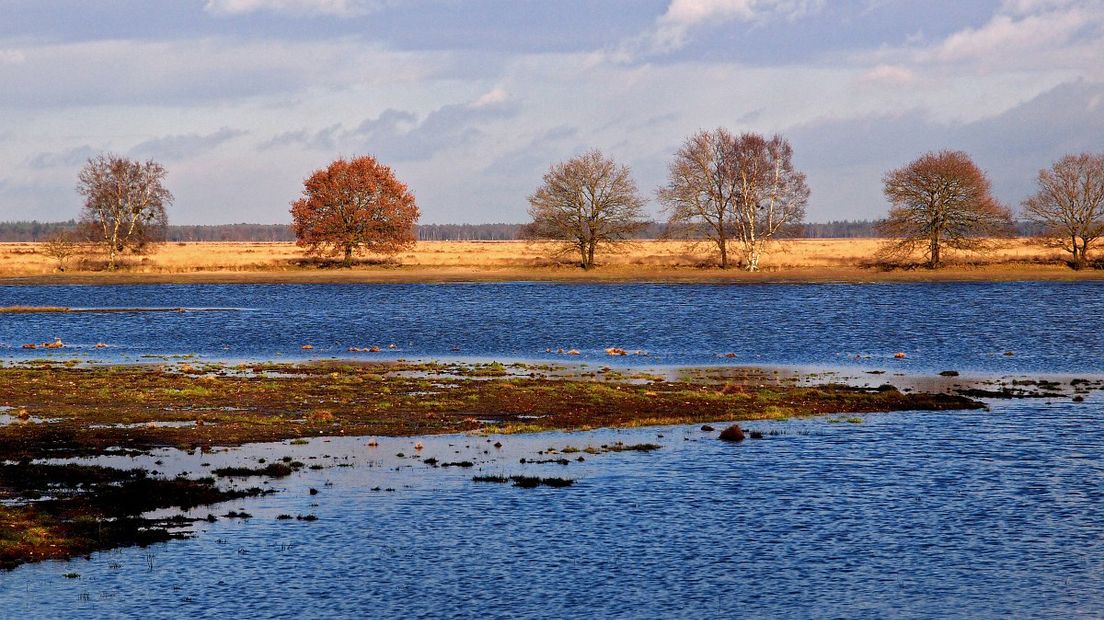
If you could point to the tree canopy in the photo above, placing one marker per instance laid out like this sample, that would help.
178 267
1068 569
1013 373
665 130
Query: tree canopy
940 200
1070 204
354 206
743 189
124 203
586 201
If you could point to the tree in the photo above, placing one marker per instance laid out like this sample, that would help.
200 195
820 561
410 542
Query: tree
940 200
587 201
1070 204
60 246
124 203
728 188
354 205
772 197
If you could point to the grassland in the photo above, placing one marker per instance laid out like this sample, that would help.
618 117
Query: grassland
433 261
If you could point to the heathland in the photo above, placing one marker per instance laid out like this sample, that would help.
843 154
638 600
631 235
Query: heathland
802 260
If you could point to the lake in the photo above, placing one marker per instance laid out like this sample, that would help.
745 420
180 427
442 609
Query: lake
1052 327
981 514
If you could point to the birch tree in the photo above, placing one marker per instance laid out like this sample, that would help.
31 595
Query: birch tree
743 189
124 203
1070 204
941 200
587 202
772 195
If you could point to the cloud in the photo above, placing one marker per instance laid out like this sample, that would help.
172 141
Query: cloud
1011 34
195 71
1045 36
681 16
339 8
845 158
184 146
68 158
402 135
321 140
888 75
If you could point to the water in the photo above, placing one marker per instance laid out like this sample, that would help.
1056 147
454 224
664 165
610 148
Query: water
1051 327
950 514
956 514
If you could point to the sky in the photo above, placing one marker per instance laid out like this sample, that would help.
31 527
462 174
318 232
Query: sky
470 101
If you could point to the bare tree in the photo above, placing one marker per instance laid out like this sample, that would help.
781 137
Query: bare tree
124 203
701 188
940 200
587 202
723 188
772 198
1070 204
61 246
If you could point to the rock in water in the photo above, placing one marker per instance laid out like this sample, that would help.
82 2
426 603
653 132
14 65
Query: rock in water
732 433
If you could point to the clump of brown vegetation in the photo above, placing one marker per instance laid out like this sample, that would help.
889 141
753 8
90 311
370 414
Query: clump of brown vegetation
101 407
90 508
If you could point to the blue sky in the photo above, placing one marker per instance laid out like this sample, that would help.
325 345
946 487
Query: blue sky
471 100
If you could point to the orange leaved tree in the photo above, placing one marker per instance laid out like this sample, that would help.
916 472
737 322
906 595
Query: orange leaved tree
354 205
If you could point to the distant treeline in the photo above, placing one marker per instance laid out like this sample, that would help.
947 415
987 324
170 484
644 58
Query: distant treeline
38 231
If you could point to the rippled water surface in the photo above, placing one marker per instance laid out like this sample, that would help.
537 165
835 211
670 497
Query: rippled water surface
960 514
955 514
1049 327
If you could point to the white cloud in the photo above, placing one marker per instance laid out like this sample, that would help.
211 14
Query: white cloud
1047 37
1005 34
341 8
494 97
673 27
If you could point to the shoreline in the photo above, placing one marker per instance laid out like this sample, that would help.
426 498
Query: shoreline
453 275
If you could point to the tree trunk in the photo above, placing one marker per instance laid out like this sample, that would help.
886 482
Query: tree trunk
933 262
753 259
723 246
348 256
590 256
1078 254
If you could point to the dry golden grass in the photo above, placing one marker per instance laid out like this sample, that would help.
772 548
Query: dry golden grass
796 260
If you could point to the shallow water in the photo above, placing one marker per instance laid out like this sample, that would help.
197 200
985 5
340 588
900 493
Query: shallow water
964 514
951 514
1053 327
